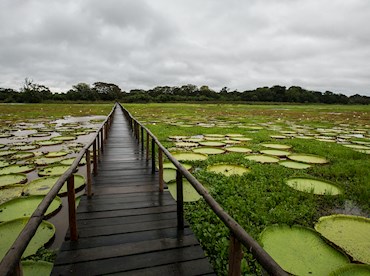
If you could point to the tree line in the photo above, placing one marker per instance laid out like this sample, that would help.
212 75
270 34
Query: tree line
100 91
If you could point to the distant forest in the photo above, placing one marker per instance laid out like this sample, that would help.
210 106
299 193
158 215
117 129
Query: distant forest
100 91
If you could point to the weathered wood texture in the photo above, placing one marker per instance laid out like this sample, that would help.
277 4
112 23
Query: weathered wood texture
128 227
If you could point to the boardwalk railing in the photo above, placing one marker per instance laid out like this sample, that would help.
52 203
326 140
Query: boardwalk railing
238 236
10 264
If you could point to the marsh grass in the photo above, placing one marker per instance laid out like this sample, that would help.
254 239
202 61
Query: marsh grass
261 198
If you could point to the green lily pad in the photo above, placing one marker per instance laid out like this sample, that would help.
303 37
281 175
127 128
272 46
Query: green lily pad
352 270
169 175
2 146
13 178
36 268
294 165
6 135
25 206
187 156
300 250
262 158
231 142
17 168
10 230
54 154
40 134
169 165
308 158
22 155
70 161
215 135
4 153
211 144
43 161
49 142
206 150
276 146
53 170
185 144
278 136
9 192
42 186
351 233
318 187
4 163
359 147
238 149
228 169
241 139
234 135
189 193
25 147
64 138
275 152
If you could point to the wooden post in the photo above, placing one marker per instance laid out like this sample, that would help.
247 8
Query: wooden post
102 140
160 164
98 146
88 173
72 208
147 146
142 139
153 156
18 271
106 130
95 159
235 256
180 200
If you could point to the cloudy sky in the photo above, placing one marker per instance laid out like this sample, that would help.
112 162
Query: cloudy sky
317 44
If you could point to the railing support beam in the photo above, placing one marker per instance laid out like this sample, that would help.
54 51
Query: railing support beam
72 208
179 200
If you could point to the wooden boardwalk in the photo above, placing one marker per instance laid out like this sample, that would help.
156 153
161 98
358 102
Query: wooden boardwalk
128 227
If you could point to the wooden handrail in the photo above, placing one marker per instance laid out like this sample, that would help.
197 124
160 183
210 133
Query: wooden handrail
11 260
238 234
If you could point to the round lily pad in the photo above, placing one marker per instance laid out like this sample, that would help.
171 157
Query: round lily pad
231 142
276 146
214 138
228 169
49 142
214 135
10 230
25 147
206 150
359 147
22 155
177 137
318 187
9 192
169 175
4 163
351 233
17 168
36 268
53 170
308 158
276 152
25 206
234 135
263 158
70 161
211 144
352 270
187 156
294 165
185 144
6 135
43 161
4 153
300 250
40 134
189 193
56 154
169 165
2 146
238 149
42 186
13 178
242 139
64 138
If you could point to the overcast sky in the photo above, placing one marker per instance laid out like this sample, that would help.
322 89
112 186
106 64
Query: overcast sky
242 44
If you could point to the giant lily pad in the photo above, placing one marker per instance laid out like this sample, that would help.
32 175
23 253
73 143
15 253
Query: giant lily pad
25 147
189 193
17 169
318 187
275 152
64 138
189 156
308 158
42 186
13 178
186 144
4 163
53 170
300 250
170 165
70 161
227 169
10 230
351 233
44 161
241 139
25 206
4 153
169 175
352 270
54 154
262 158
22 155
238 149
206 150
276 146
10 192
294 165
36 268
211 144
49 142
